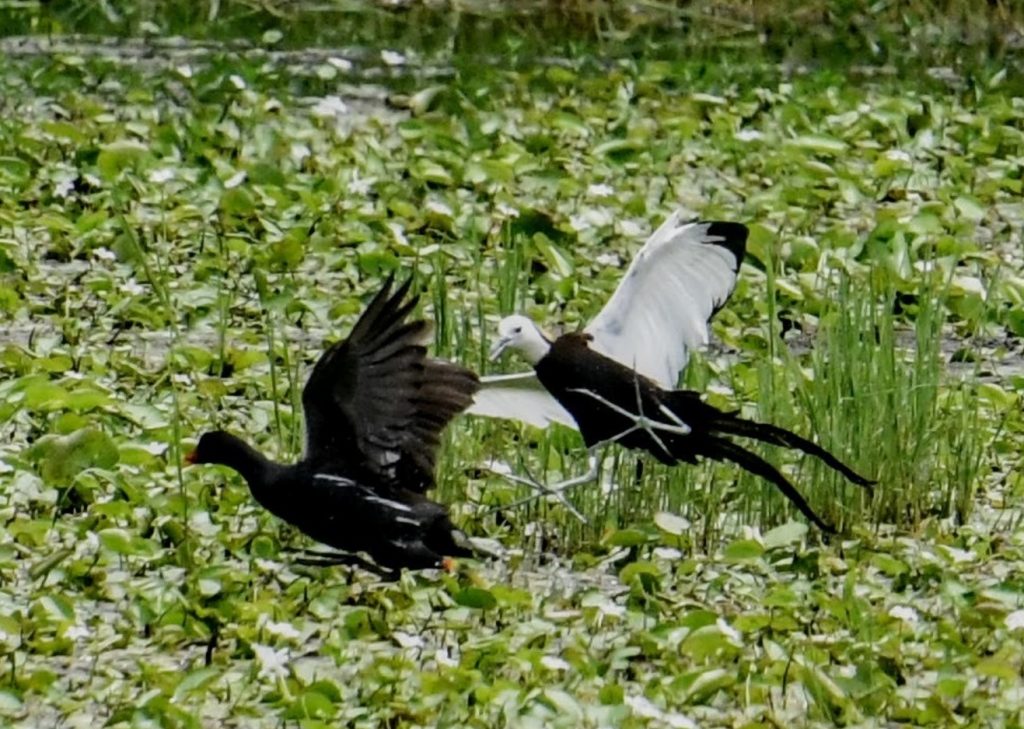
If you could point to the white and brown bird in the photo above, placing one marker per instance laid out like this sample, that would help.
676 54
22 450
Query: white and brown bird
615 380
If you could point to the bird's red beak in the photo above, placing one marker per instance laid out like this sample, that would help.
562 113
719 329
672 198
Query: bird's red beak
192 456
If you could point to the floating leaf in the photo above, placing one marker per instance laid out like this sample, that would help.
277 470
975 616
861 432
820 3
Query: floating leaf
62 457
784 535
475 597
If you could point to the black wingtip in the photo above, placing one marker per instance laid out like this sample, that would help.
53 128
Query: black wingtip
729 235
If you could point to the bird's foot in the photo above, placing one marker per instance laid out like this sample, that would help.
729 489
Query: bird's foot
640 420
317 558
554 490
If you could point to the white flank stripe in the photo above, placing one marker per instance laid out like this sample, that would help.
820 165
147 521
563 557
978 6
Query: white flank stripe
337 480
349 483
396 505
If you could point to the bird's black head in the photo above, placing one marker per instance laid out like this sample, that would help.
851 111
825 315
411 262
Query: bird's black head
217 446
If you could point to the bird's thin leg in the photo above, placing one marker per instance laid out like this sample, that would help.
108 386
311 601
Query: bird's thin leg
557 490
542 489
641 421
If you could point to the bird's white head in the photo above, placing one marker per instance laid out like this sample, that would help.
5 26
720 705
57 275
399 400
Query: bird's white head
521 334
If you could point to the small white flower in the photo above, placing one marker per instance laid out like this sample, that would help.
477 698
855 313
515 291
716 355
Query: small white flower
506 211
161 175
600 190
282 630
92 180
237 81
360 186
235 180
342 64
273 662
64 188
154 448
439 208
897 155
104 254
298 152
184 70
407 640
181 379
959 555
734 636
398 233
579 223
611 609
554 663
92 542
598 217
902 612
329 107
1015 620
643 708
77 632
133 287
748 135
608 259
392 58
442 658
669 554
631 229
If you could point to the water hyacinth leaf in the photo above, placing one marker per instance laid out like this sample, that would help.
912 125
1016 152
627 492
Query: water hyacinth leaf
122 542
475 597
701 686
784 535
627 538
646 572
671 523
11 702
57 607
314 705
196 681
238 201
61 458
743 549
818 143
119 156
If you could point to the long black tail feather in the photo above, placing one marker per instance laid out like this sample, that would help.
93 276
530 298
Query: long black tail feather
722 449
729 423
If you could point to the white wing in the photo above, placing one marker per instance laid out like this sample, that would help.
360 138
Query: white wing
518 397
683 274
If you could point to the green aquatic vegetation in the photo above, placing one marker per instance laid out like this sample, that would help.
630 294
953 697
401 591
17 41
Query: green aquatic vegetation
180 234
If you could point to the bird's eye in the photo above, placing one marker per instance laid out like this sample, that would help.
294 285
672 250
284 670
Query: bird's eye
517 330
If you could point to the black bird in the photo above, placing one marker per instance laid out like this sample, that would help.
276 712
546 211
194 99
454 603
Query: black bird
375 406
616 383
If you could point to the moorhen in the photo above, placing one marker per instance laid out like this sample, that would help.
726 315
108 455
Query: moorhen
375 405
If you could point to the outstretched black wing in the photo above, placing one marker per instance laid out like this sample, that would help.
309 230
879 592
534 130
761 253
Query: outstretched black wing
376 403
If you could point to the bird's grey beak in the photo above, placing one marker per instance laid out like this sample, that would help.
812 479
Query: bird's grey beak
498 348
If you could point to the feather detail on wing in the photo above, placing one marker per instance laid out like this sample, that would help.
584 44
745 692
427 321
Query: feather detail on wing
660 311
377 399
519 397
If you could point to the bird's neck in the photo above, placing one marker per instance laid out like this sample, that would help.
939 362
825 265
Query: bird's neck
257 470
534 349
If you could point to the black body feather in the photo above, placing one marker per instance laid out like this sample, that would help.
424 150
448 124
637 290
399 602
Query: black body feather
375 405
571 369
